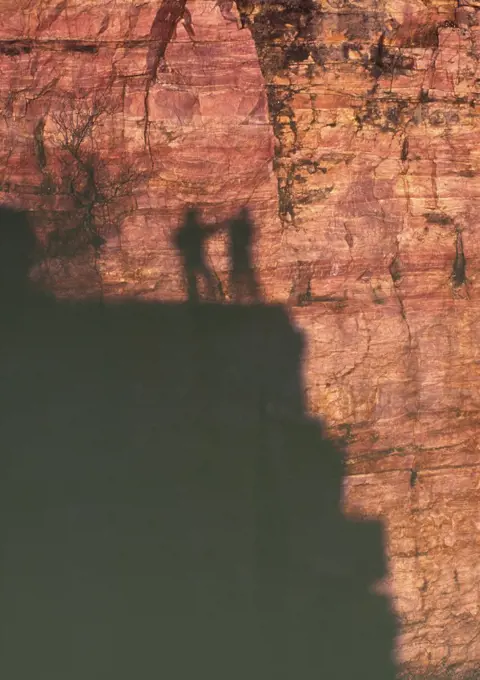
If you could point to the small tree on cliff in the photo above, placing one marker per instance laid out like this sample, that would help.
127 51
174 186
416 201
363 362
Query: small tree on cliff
99 186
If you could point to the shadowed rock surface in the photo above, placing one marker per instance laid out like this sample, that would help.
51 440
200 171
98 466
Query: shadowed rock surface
168 508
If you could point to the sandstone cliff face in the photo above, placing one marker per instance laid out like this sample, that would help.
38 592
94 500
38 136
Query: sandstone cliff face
348 128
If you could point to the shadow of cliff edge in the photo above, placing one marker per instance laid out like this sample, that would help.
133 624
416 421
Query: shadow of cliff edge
168 510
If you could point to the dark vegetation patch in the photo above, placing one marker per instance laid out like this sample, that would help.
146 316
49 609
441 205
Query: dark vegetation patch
315 195
387 116
422 36
425 97
459 275
296 54
287 23
39 145
384 61
14 48
438 218
395 269
83 48
357 25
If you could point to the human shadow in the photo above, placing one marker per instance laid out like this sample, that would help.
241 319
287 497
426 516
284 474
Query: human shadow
243 280
190 240
168 508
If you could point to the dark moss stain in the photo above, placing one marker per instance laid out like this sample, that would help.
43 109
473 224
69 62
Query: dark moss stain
277 23
14 48
305 298
48 185
357 25
378 57
382 115
83 48
383 61
459 276
438 218
370 114
423 36
296 54
315 195
282 118
395 270
39 145
424 97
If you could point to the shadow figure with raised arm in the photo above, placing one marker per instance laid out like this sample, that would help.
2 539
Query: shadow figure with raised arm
190 241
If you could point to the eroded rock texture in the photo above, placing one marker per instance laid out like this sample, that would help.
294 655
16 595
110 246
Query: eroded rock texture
349 130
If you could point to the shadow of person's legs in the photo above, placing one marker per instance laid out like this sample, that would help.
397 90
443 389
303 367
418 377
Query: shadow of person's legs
252 285
192 287
211 284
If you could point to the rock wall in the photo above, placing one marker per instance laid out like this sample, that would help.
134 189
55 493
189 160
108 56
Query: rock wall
348 129
372 107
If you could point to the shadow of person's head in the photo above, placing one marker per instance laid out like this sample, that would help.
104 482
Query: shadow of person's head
244 214
192 217
242 227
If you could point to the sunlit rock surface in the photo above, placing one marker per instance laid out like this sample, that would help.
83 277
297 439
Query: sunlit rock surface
349 130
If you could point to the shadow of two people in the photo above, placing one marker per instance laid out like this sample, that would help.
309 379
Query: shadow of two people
190 240
167 506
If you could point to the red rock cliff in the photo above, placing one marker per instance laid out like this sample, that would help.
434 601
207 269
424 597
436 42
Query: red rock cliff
348 128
